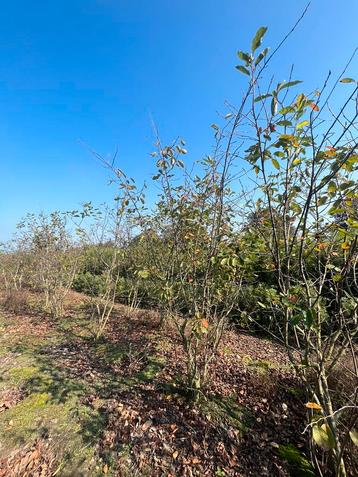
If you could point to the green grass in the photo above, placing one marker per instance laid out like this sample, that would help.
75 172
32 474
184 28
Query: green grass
260 366
298 464
109 352
51 404
22 374
226 410
153 367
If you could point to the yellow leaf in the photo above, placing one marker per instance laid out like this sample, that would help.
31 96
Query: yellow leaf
354 436
332 187
345 246
105 469
175 454
275 163
313 405
302 124
287 137
323 437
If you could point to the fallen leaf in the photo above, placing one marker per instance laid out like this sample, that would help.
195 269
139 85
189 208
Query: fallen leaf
147 425
313 405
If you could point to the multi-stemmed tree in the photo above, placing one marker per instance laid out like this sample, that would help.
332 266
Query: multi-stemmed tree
305 160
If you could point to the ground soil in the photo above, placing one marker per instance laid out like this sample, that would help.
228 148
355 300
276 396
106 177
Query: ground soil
70 405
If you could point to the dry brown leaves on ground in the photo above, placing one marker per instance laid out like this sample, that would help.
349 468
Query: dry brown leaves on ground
36 460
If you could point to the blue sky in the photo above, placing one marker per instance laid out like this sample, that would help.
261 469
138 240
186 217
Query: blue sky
97 70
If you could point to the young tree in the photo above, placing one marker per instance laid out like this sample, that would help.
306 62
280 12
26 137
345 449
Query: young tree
201 274
111 234
305 160
52 257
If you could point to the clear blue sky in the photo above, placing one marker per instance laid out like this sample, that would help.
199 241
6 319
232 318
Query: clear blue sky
96 70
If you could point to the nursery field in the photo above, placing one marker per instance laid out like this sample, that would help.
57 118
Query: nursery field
198 318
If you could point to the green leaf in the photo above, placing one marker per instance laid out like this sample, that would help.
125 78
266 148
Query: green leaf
309 316
332 187
295 319
181 150
331 439
322 200
262 97
288 85
347 80
353 159
261 56
275 163
243 69
284 123
273 106
354 436
244 56
296 208
322 438
257 40
286 109
302 124
143 274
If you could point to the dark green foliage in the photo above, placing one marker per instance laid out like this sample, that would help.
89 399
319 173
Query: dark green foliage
95 258
89 283
298 464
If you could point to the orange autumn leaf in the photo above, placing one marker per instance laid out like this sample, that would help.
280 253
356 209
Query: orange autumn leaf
331 152
314 106
313 405
293 298
205 324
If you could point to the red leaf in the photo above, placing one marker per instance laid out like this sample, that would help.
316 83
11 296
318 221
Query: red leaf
314 106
